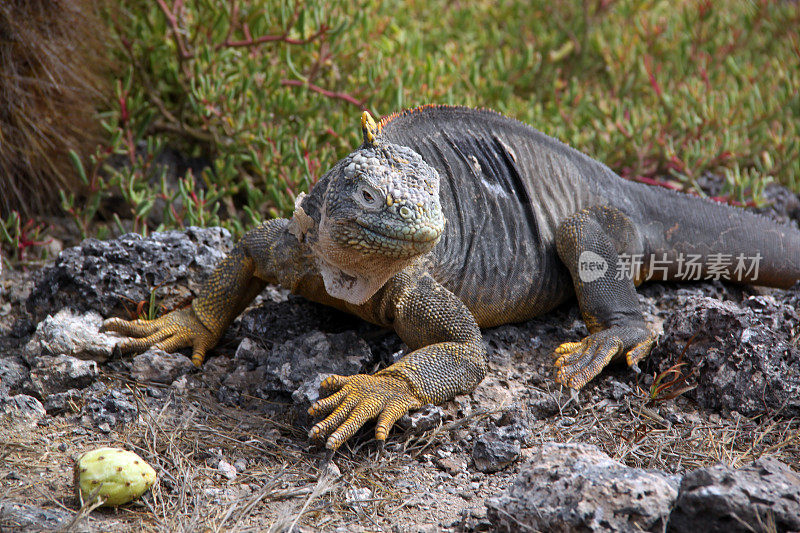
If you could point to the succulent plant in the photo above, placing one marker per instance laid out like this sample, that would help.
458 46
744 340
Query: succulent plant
116 475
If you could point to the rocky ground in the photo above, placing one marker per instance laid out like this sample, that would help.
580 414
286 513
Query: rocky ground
633 451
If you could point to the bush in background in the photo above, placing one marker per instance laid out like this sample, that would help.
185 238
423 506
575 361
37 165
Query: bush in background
268 93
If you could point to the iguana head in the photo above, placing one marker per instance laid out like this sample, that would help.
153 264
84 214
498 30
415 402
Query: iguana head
380 212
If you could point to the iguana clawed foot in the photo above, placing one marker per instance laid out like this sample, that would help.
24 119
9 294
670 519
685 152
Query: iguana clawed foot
578 362
170 332
356 399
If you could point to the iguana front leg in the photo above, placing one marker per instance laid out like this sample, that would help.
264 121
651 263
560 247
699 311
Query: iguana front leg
261 256
448 359
589 243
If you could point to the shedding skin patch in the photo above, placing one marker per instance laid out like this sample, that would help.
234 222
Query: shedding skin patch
300 223
354 289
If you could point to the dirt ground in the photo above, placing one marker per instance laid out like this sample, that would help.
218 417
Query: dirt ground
249 466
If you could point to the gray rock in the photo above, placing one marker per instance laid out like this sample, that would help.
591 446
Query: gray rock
160 366
61 402
308 391
18 516
70 333
50 375
105 276
515 423
297 364
248 374
474 519
227 470
743 356
181 384
276 322
22 408
315 353
13 373
576 487
111 407
781 204
425 419
498 448
721 499
357 498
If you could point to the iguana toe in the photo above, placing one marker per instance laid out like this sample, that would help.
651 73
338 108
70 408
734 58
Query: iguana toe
387 418
578 362
130 328
171 332
359 399
640 351
567 347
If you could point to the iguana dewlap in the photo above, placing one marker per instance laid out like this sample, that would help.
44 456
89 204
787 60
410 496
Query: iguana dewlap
448 219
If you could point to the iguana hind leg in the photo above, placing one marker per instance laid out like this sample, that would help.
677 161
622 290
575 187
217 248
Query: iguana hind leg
590 244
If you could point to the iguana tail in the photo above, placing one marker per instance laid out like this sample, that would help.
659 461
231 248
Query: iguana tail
690 238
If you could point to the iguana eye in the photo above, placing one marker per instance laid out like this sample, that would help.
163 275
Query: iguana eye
367 196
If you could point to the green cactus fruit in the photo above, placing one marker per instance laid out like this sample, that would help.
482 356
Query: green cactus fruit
117 475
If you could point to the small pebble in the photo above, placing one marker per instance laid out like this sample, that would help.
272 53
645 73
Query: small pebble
355 498
227 469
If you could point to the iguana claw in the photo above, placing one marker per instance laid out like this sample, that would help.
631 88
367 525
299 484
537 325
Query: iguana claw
355 400
170 332
577 363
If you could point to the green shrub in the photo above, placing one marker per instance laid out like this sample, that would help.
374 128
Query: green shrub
269 92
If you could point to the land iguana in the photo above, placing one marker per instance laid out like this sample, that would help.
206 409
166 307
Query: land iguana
448 219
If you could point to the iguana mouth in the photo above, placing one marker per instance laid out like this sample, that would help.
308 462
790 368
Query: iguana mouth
425 234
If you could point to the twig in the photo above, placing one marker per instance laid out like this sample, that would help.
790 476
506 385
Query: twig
324 92
176 31
83 513
283 37
322 486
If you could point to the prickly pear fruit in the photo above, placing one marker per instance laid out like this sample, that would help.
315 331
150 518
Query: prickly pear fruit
114 474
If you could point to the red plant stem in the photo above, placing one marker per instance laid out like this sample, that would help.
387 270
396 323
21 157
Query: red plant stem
284 38
329 94
249 41
657 183
173 24
651 74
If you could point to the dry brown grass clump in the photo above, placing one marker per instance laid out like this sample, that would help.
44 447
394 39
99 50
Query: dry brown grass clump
52 59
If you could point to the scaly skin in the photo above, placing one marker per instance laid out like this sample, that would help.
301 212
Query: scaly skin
523 211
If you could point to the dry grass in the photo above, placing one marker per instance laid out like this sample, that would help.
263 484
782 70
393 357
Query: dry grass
288 486
51 73
638 433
